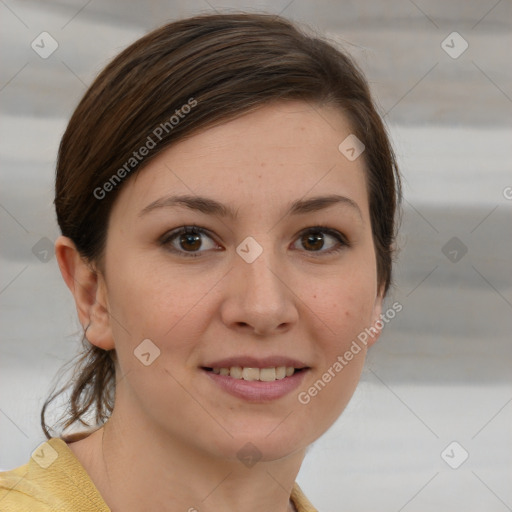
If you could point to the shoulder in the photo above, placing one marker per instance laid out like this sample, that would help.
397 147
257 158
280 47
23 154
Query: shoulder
19 492
52 480
300 501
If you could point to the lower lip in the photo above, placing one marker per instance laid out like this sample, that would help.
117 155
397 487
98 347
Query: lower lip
255 390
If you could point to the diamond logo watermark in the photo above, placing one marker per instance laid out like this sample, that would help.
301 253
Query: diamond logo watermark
454 455
454 45
44 455
249 249
146 352
454 249
44 45
43 250
249 455
351 147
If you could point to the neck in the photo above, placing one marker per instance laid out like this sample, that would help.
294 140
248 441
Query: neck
136 472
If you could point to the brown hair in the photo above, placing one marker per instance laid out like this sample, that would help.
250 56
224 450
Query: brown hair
188 75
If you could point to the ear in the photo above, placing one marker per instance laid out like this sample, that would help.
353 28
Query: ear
376 326
89 290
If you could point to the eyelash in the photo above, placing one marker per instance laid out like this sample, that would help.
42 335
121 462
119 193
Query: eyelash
193 229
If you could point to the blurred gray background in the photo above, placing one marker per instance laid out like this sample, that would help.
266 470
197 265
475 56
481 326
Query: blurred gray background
442 371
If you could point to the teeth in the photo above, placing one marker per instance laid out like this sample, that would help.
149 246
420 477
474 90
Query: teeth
249 373
236 372
268 374
280 372
263 374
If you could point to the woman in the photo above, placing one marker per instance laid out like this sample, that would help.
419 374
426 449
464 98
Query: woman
226 193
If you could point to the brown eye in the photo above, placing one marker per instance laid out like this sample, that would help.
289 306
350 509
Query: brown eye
313 241
188 240
322 240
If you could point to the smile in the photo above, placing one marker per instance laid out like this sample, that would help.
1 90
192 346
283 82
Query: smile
256 380
256 374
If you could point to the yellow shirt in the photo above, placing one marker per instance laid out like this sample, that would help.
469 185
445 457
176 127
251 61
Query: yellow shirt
54 480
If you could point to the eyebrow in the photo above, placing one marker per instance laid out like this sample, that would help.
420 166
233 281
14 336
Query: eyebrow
212 207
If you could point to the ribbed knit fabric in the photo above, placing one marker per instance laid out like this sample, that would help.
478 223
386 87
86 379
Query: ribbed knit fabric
54 480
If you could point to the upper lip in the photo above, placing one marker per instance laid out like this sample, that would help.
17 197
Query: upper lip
255 362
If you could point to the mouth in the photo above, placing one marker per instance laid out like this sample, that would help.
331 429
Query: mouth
248 373
256 380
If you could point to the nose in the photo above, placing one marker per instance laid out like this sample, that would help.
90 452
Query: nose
259 298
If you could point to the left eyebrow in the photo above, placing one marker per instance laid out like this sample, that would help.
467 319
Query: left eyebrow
213 207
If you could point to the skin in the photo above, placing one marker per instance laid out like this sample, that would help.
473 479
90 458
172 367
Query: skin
172 441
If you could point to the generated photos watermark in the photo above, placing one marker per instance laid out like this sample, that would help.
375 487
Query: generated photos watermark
304 397
138 155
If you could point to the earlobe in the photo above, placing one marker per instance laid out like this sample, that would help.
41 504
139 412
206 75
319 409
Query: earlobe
89 291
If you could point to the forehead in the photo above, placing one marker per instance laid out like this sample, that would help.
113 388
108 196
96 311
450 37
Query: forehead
273 155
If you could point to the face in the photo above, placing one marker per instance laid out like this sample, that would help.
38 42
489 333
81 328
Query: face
267 280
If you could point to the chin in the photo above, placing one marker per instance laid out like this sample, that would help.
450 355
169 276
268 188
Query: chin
267 440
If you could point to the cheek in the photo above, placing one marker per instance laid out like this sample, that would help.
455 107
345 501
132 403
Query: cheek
170 307
153 296
167 308
345 313
345 306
